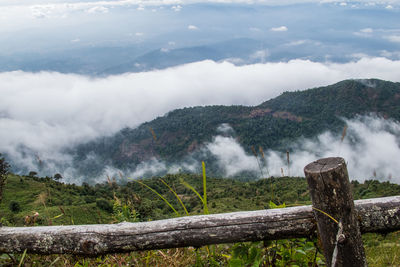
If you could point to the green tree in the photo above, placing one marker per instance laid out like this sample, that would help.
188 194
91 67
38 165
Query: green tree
57 176
32 174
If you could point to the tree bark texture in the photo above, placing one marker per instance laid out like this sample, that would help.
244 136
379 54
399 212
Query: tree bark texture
332 200
376 215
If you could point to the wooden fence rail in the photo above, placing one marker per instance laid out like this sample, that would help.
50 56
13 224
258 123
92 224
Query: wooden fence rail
374 215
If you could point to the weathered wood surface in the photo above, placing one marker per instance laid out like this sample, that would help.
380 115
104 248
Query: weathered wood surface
381 214
331 195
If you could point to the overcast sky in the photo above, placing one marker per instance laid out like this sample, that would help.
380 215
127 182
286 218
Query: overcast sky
31 25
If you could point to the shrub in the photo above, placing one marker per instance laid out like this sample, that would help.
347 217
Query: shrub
14 206
90 199
104 205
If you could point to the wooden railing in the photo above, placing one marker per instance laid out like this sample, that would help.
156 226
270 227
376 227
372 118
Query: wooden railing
337 218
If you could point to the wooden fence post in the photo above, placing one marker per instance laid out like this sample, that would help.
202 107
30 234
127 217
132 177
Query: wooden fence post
333 208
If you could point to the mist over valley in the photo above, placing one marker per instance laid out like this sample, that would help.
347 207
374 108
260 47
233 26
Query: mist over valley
91 89
246 142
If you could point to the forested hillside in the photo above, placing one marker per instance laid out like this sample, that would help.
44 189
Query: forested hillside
271 125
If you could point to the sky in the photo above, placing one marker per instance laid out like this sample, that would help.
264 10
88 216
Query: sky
65 25
73 71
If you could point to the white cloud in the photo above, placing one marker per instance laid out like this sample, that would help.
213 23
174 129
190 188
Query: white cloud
192 27
177 8
279 29
154 166
389 7
98 9
44 113
296 43
77 40
371 146
358 56
225 128
390 54
393 38
260 55
231 157
177 4
367 30
41 12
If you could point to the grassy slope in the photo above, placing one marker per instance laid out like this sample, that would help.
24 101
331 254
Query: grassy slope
224 195
46 197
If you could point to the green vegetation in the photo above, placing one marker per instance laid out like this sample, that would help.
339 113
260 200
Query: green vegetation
4 166
51 198
56 203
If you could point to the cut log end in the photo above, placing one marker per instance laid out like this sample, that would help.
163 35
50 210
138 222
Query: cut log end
324 165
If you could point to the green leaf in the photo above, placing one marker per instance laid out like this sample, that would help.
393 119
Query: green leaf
166 201
236 263
176 195
301 251
204 188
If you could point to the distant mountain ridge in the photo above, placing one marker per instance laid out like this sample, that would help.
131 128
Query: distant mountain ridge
272 125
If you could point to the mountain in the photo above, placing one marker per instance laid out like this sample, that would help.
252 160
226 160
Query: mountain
272 125
107 60
240 50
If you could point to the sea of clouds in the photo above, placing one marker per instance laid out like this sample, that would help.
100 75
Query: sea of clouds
43 114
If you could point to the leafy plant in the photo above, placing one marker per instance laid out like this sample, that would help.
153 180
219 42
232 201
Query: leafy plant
159 195
204 198
176 195
124 212
246 254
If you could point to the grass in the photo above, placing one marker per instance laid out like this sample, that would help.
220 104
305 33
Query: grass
54 202
382 250
44 196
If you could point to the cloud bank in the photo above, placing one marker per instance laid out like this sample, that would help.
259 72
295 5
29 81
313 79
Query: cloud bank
43 114
371 150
